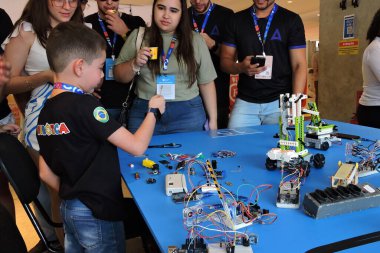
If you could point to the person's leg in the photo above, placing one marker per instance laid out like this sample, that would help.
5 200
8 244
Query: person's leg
270 113
6 198
244 114
85 233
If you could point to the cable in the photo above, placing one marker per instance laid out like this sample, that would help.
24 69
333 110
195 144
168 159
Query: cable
169 145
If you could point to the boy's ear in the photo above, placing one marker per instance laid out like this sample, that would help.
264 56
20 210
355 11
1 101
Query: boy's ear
78 66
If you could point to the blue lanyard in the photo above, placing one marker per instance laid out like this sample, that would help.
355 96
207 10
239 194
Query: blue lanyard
257 28
68 87
108 37
210 8
165 58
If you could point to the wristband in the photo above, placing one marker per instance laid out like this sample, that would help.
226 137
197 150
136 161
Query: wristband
156 112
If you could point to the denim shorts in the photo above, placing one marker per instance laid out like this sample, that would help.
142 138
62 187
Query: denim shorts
85 233
245 114
181 116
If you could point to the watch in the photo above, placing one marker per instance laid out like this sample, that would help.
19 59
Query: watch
156 112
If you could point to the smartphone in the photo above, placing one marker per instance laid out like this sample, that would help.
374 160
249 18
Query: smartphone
258 59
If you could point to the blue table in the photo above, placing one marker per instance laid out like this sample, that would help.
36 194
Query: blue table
292 232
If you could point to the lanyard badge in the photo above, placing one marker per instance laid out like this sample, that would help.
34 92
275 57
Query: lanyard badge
196 29
105 33
165 58
68 87
257 28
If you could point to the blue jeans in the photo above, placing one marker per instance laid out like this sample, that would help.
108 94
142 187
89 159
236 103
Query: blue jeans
85 233
245 114
182 116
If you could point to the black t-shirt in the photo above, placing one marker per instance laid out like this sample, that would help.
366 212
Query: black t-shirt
215 28
285 33
114 93
6 29
72 132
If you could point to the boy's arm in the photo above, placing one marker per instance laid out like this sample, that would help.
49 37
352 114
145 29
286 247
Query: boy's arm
137 143
47 175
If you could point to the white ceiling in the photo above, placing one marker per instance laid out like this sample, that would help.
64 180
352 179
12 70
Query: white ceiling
307 9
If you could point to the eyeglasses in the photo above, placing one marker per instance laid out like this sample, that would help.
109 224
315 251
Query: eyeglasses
60 3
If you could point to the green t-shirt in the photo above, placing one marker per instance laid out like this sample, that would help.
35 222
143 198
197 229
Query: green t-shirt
146 83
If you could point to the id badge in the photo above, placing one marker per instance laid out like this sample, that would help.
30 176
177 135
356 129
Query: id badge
109 69
266 74
166 86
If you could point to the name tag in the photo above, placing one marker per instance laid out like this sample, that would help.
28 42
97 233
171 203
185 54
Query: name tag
110 63
266 74
166 86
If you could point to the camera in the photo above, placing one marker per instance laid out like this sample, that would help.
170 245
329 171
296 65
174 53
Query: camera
258 59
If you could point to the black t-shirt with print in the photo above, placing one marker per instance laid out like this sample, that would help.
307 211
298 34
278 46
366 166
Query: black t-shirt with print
72 132
113 93
215 28
285 33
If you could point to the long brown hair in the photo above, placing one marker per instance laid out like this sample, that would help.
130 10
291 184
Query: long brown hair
37 13
184 51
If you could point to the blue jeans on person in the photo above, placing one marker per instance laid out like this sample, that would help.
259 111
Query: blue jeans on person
181 116
87 234
246 114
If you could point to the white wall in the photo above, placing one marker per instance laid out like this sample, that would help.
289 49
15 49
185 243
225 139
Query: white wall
14 9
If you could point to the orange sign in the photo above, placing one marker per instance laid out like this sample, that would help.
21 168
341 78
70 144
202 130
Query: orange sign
348 47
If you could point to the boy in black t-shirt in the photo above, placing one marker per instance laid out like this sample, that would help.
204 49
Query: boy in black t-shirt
78 140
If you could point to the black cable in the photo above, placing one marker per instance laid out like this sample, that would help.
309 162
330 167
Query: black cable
169 145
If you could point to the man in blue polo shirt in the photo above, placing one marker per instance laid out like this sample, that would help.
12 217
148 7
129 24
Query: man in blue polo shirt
264 30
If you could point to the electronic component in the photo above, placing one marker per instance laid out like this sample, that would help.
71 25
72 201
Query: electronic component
175 183
196 245
150 164
218 173
288 195
335 201
346 174
151 181
223 248
180 197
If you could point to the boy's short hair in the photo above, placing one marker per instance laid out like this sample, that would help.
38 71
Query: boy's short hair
72 40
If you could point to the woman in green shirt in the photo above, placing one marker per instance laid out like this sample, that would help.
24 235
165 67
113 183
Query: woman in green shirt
182 72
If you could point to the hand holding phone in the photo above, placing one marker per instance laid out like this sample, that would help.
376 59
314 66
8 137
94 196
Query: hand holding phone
258 59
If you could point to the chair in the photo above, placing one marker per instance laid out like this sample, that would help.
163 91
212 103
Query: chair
22 174
11 240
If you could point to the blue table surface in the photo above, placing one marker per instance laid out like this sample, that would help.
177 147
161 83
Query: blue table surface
293 231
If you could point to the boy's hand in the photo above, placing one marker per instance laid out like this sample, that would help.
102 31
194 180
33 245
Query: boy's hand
157 101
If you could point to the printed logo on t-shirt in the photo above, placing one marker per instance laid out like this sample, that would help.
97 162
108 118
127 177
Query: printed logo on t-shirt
52 129
215 31
276 35
101 115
